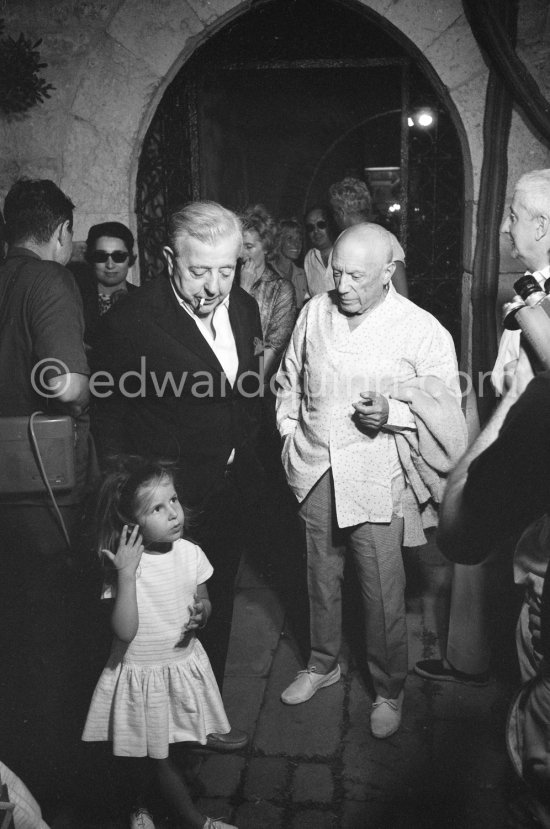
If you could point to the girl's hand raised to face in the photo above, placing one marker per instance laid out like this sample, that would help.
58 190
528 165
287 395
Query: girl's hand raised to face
130 550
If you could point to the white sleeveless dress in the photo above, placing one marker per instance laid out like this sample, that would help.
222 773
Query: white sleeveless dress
159 688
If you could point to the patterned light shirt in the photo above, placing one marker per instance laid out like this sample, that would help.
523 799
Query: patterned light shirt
276 299
325 368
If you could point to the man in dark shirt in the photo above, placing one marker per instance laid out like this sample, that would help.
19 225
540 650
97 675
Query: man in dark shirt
498 488
43 368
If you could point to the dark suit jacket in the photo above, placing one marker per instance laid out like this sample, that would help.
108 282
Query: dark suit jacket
177 404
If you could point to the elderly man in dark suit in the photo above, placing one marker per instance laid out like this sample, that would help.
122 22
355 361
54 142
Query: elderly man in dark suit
183 358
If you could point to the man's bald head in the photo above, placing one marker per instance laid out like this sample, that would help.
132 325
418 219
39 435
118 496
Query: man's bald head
374 239
362 267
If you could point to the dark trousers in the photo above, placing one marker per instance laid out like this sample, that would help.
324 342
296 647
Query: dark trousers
233 520
43 594
218 531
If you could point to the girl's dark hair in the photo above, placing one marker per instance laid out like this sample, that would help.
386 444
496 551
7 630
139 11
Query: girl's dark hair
116 502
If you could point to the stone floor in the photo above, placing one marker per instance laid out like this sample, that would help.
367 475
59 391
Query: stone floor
316 764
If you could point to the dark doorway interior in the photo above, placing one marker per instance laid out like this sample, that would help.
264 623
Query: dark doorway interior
290 97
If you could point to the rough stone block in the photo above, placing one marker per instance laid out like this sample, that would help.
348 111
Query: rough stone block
211 10
478 756
213 807
243 700
423 22
313 819
44 137
114 90
452 701
221 774
155 30
254 815
456 54
265 779
310 729
313 781
40 167
469 99
96 169
384 768
84 219
257 610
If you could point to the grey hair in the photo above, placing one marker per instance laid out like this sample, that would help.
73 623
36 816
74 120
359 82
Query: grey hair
206 221
534 190
351 195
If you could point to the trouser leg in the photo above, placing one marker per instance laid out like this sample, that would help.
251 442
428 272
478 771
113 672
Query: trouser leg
378 559
468 647
325 571
219 536
40 691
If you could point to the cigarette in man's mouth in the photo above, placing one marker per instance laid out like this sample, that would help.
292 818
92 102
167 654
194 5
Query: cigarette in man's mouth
201 302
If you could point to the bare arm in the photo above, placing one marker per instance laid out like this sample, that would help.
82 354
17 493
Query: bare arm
72 390
125 616
270 362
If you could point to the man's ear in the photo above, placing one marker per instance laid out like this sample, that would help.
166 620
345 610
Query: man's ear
388 272
132 258
168 254
63 233
542 226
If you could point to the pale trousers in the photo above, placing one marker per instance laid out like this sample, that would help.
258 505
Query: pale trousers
376 550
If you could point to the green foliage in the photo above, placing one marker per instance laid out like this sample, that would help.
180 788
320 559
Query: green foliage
21 86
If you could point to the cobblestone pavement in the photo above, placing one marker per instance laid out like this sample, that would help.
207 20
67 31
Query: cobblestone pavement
317 765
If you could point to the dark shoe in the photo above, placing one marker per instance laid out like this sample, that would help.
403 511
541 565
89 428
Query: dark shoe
436 669
234 740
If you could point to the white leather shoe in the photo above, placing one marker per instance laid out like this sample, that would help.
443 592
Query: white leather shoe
141 819
307 683
385 716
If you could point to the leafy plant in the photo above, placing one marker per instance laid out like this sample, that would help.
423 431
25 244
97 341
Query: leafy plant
21 86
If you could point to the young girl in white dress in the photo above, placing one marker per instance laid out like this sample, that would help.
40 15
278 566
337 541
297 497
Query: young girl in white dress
157 687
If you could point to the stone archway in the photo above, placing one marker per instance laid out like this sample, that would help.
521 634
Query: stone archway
147 42
134 58
281 109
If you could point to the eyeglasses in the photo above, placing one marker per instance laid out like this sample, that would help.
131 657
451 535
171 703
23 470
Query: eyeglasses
99 257
321 224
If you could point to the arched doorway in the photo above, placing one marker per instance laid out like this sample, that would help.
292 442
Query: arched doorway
292 96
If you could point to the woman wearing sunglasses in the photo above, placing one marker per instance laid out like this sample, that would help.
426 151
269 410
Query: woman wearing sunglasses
320 237
110 253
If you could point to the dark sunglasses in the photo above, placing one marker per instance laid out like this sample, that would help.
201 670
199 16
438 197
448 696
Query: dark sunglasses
99 257
321 224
